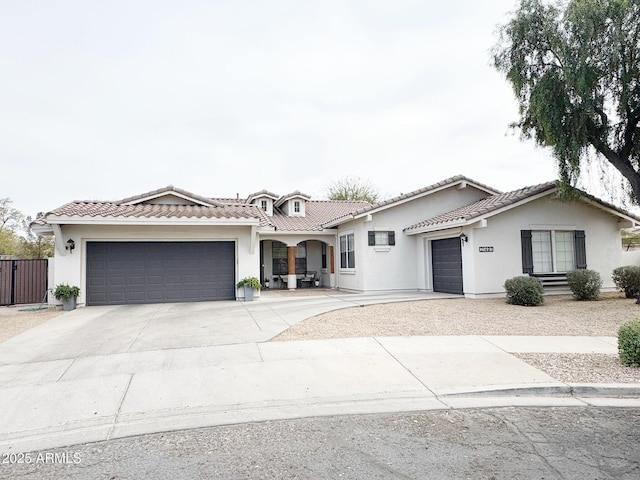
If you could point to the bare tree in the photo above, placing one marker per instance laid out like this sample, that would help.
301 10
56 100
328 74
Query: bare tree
352 188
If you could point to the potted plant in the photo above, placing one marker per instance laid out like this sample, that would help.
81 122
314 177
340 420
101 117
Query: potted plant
68 295
249 284
266 283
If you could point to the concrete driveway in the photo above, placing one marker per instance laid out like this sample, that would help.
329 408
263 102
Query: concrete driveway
95 331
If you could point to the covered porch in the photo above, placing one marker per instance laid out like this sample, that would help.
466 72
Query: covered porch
295 262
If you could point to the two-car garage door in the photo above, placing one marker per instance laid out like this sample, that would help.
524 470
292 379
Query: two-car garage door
159 272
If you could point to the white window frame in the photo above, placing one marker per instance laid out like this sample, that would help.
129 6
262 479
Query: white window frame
350 254
553 250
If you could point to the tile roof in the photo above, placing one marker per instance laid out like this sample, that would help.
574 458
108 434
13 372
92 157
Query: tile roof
444 183
116 209
317 213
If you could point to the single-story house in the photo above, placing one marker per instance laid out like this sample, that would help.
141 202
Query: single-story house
456 236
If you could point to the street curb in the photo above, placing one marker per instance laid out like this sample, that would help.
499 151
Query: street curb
568 390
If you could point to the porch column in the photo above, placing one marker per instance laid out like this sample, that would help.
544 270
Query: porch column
292 280
332 268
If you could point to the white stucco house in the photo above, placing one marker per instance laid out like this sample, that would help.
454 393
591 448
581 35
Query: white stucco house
456 236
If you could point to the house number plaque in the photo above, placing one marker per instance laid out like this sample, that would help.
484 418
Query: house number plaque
485 249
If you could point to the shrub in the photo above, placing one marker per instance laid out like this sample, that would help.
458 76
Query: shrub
526 291
629 343
251 282
627 279
584 284
65 292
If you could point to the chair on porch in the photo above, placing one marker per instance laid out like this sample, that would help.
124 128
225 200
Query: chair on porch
309 279
283 281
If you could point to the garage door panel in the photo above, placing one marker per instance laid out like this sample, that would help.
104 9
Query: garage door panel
446 257
156 272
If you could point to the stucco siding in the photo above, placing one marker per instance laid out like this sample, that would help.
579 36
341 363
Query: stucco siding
380 268
71 268
489 270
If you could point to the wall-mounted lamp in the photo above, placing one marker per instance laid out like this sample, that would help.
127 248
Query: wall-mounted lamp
463 238
70 245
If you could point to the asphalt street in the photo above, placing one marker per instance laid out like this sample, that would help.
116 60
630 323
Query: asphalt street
502 443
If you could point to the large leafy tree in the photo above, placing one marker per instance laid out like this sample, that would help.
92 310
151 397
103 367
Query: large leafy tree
575 69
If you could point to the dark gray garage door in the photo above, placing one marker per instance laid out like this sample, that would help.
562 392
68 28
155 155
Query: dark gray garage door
159 272
446 256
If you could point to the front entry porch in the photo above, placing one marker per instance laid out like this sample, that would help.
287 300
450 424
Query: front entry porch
297 264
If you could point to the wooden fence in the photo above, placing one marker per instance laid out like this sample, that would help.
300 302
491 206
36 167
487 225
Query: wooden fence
23 281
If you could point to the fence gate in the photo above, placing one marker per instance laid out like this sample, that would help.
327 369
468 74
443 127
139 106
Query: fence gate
23 281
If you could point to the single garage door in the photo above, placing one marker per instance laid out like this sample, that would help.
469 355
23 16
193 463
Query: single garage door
158 272
446 257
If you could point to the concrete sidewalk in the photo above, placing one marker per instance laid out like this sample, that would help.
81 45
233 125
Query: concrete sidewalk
106 372
64 402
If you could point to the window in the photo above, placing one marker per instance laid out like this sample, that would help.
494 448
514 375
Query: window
347 251
296 206
280 257
382 238
263 205
280 261
301 258
552 251
324 255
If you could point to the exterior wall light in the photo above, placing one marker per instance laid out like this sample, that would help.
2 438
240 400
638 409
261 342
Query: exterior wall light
70 245
463 238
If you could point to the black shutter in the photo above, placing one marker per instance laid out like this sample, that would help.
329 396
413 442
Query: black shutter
392 237
527 251
372 238
581 251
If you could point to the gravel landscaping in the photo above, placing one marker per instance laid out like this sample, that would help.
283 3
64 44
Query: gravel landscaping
560 315
17 319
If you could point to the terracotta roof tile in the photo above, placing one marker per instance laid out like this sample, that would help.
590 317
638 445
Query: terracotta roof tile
317 213
111 209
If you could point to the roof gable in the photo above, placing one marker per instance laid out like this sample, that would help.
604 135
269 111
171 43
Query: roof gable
169 195
499 203
458 181
290 196
262 194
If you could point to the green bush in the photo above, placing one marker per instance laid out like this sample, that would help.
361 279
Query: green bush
629 343
584 284
65 292
251 282
627 279
526 291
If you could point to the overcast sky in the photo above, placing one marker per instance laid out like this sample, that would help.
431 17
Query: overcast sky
108 99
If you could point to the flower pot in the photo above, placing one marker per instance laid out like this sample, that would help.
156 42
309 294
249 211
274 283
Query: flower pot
248 294
69 304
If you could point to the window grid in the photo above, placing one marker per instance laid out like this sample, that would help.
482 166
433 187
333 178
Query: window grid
553 251
347 251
